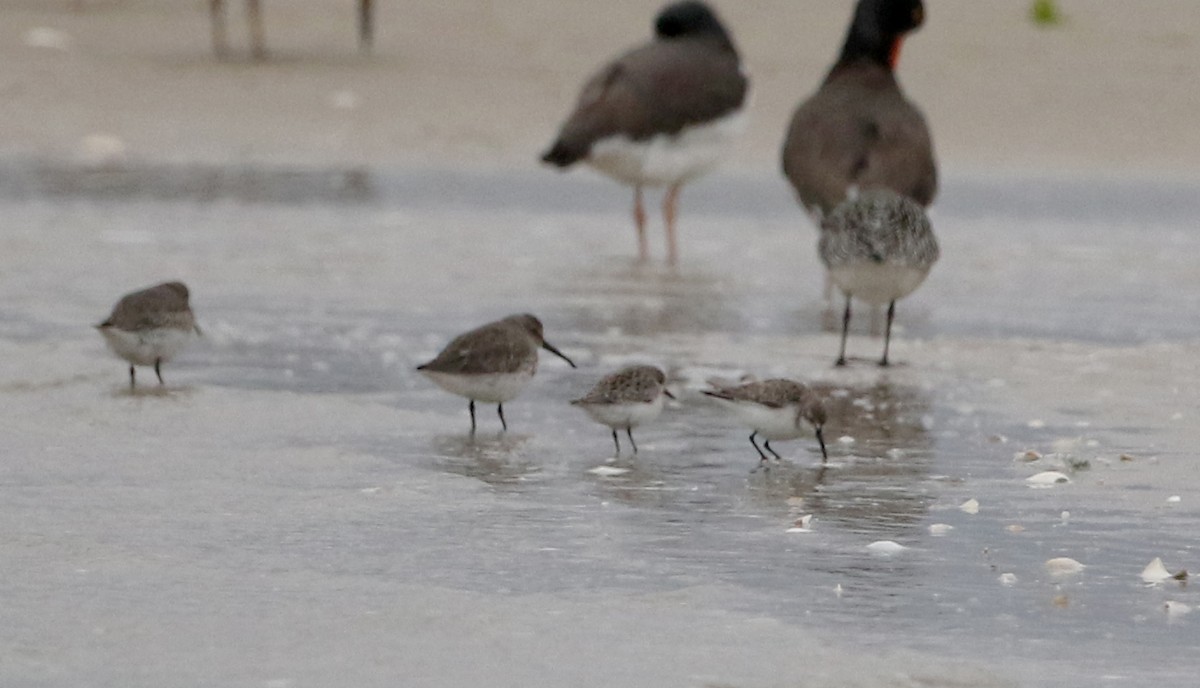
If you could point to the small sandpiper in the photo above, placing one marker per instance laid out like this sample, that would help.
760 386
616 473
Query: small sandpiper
492 363
626 399
662 114
149 327
878 247
776 409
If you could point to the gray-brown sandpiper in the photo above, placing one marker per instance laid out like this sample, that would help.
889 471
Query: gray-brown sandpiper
492 363
150 326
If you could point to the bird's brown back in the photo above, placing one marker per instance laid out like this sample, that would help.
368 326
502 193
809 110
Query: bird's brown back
163 305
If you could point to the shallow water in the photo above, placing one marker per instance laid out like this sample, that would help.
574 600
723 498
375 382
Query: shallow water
301 508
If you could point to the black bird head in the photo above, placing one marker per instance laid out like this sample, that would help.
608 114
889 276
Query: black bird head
690 18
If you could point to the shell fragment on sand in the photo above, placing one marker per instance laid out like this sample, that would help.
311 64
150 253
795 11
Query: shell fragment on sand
1063 566
608 471
885 548
1156 572
1047 479
802 525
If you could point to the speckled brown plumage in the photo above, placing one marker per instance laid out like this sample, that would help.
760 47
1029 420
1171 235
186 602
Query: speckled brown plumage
635 384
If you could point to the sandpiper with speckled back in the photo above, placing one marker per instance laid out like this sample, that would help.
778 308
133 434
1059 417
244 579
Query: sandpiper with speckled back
492 363
150 326
878 247
776 409
626 399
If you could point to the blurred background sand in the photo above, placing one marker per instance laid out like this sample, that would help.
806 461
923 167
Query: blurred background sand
486 83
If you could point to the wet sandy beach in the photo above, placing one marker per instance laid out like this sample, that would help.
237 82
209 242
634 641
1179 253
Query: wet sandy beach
300 508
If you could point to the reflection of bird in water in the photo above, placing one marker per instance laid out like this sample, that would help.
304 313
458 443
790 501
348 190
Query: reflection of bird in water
880 484
491 363
776 409
878 248
626 399
858 131
258 41
662 114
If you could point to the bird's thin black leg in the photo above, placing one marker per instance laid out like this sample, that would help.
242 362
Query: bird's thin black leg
629 432
887 333
762 458
132 378
616 442
767 446
500 412
471 408
821 441
841 361
158 370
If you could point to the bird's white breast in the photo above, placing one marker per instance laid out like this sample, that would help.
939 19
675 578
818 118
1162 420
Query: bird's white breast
771 423
877 282
624 415
492 388
668 159
144 347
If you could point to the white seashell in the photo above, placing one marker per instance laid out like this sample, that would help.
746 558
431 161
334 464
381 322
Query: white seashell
838 591
1015 528
608 471
940 529
845 439
1155 572
1176 608
1008 579
1174 499
801 525
1036 423
885 547
971 506
1063 566
1047 478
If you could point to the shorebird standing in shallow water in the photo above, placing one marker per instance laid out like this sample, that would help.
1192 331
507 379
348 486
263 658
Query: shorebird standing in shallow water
878 248
662 114
858 131
776 409
258 41
492 363
626 399
150 326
